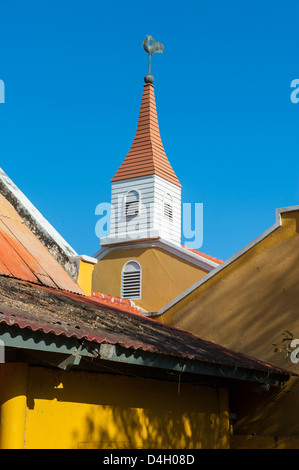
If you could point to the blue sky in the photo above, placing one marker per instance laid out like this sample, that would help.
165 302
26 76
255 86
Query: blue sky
73 72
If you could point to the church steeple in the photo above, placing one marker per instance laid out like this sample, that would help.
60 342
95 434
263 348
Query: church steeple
146 193
141 258
147 155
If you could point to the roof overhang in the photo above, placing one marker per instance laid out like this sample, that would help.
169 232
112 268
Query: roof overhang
154 241
71 352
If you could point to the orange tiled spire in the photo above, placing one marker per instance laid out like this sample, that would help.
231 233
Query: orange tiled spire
147 155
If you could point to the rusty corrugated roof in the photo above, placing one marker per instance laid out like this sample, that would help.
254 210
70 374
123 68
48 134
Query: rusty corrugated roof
43 308
23 256
147 155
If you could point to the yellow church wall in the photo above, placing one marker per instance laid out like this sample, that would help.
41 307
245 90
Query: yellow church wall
76 409
164 275
247 306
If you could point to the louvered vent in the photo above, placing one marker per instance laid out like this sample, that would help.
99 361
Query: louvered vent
132 204
168 211
131 281
168 207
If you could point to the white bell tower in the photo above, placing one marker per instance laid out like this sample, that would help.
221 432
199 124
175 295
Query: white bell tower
145 193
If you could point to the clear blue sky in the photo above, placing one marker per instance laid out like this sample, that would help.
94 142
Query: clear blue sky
73 72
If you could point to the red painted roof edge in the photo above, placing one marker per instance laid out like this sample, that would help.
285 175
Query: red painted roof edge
204 255
124 305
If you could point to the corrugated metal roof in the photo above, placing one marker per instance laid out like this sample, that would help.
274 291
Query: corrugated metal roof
116 302
23 256
43 308
147 155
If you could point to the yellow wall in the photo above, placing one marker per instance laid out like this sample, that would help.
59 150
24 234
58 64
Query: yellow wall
267 420
164 275
246 307
85 276
69 409
13 394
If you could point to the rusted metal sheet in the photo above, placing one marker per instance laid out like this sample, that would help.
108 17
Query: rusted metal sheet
63 313
117 303
10 257
23 256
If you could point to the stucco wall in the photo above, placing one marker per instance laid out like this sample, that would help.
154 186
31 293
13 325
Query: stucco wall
164 275
70 409
247 305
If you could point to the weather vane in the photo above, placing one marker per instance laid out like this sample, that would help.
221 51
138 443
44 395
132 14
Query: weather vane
151 49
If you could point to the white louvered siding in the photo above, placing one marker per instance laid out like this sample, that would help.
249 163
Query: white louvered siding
144 221
131 281
151 216
170 228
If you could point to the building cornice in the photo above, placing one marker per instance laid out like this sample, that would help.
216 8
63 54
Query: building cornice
156 242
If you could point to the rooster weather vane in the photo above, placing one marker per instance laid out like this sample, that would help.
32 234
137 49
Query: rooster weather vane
151 49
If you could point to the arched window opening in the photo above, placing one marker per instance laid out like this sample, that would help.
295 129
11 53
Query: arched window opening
168 212
132 204
131 280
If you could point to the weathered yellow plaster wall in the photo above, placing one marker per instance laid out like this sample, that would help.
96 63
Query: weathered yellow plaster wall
69 409
13 395
164 275
247 305
85 276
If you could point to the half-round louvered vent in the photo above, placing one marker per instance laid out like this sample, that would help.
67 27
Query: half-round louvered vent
131 280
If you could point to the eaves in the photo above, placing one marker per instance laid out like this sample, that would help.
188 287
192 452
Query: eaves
70 350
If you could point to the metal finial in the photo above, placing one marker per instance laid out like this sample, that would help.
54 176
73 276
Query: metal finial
151 49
